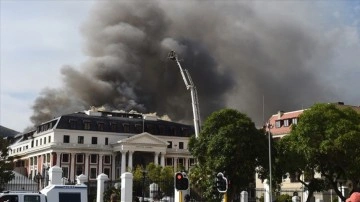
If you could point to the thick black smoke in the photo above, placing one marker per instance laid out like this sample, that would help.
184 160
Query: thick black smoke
235 54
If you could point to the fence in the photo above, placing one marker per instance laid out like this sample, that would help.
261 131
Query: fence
325 196
23 183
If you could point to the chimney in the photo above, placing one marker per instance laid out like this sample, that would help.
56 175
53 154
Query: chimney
280 113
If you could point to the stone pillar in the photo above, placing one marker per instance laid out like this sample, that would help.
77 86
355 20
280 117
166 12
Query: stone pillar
156 158
101 187
130 163
244 196
101 163
72 167
58 157
81 179
126 187
86 172
162 159
123 162
267 190
55 175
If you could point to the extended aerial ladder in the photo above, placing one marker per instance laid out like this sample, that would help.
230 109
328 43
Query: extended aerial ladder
189 85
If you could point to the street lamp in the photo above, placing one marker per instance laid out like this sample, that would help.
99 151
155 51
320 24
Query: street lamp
269 126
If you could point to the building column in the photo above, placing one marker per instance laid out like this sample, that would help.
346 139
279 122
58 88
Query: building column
186 163
86 165
72 167
130 162
175 163
123 162
156 158
58 157
162 159
100 163
113 167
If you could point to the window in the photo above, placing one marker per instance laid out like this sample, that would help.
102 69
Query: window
181 145
32 143
72 124
113 127
48 158
94 140
44 140
126 128
294 121
170 144
107 172
66 139
49 138
65 171
93 173
286 122
277 124
101 126
31 198
161 130
169 161
87 125
93 158
181 162
40 141
36 143
192 162
80 139
65 158
185 131
138 128
10 198
35 160
79 169
106 141
79 158
107 159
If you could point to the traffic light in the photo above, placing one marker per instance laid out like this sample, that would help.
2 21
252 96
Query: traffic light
181 181
221 183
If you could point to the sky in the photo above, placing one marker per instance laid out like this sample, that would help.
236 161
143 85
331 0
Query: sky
309 50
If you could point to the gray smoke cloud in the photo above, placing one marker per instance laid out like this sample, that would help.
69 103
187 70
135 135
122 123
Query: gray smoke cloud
236 52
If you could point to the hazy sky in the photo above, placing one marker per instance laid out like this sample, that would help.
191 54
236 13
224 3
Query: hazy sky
39 38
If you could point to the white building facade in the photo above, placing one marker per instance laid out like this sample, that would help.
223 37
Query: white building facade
94 142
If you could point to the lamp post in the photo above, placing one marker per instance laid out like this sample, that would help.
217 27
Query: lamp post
38 178
143 187
269 126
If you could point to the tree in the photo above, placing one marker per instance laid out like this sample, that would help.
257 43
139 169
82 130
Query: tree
290 161
327 140
6 164
229 142
164 176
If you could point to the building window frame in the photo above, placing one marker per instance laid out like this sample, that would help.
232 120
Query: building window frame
65 158
66 139
80 139
94 140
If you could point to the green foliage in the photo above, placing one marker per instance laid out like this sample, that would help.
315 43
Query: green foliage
6 164
109 192
326 140
229 142
283 198
157 173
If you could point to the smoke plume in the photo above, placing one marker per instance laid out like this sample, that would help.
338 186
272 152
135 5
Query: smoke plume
238 55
